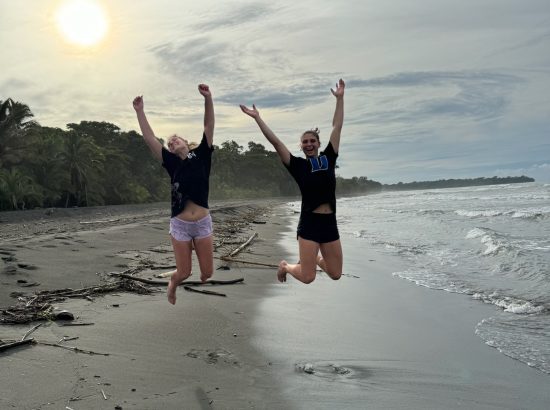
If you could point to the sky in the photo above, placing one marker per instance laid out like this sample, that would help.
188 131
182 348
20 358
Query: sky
435 89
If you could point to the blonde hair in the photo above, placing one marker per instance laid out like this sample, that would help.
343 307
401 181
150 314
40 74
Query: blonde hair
191 144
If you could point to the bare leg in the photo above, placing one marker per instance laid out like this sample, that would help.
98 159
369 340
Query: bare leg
332 259
182 253
304 271
204 248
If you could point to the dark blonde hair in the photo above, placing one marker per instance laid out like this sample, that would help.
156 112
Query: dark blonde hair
191 144
314 131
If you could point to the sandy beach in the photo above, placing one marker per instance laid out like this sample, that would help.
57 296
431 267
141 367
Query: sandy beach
263 346
192 355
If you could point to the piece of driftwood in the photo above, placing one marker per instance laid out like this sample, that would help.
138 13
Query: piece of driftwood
7 346
229 259
30 331
101 221
244 245
165 274
206 292
184 283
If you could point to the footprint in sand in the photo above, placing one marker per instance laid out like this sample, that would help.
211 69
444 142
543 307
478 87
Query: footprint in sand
214 356
333 372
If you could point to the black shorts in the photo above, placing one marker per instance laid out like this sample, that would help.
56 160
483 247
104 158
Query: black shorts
320 228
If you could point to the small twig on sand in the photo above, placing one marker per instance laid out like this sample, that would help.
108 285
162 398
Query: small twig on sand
103 393
207 292
74 349
30 331
66 339
77 324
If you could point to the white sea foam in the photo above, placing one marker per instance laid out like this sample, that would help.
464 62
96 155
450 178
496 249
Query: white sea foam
509 304
478 213
475 233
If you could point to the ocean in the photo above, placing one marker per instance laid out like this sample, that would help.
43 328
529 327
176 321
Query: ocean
434 282
489 242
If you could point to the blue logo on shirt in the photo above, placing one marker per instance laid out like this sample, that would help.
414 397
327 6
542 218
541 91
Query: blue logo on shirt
319 163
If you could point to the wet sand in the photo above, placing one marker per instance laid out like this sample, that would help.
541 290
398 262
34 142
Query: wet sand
374 341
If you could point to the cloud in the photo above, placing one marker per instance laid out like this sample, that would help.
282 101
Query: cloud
430 104
235 17
196 57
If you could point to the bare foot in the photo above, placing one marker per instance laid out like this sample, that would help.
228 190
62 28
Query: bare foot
171 293
205 276
281 272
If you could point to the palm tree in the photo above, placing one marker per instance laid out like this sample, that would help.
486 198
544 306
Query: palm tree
84 162
15 121
18 189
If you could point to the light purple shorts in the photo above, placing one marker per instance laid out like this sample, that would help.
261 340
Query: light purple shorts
188 230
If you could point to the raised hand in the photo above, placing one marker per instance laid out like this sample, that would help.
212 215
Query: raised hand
253 112
338 91
138 103
204 90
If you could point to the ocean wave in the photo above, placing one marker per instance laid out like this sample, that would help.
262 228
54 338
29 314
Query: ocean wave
510 304
524 338
494 242
529 214
478 213
430 280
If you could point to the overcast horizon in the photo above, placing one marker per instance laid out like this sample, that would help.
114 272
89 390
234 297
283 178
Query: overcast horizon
434 89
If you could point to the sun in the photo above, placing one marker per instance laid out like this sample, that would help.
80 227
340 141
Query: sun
82 22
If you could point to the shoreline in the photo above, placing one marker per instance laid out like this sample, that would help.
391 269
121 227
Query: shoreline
374 340
196 354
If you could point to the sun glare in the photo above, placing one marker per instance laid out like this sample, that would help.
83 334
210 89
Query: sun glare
82 22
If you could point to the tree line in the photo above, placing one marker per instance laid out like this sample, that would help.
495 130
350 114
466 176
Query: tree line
96 163
456 183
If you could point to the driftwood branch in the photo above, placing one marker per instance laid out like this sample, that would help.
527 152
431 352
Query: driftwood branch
244 245
206 292
185 283
30 331
230 259
7 346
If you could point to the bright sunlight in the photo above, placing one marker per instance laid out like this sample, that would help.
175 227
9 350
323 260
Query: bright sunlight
82 22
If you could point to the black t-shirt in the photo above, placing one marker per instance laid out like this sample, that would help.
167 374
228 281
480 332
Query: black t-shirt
189 177
316 178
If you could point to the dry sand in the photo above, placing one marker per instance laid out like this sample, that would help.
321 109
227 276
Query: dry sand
191 355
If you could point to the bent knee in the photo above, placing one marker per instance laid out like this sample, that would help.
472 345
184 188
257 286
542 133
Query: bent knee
309 277
335 276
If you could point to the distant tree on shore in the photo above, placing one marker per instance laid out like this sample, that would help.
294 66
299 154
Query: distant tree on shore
456 183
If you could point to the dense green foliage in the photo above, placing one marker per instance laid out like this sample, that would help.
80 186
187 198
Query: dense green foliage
96 163
456 183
